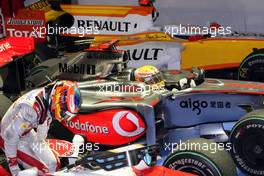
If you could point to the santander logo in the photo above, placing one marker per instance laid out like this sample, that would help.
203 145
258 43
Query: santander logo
127 124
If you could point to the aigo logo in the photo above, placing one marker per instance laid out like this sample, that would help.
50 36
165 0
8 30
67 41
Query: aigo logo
127 124
196 105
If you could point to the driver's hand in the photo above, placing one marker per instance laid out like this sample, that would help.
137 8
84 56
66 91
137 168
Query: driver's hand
192 83
183 83
198 72
13 166
186 83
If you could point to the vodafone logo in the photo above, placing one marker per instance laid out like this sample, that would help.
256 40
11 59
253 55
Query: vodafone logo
127 124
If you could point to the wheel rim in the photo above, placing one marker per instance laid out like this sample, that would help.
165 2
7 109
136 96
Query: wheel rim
256 73
253 150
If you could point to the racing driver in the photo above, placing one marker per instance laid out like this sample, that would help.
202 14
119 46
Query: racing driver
150 75
25 125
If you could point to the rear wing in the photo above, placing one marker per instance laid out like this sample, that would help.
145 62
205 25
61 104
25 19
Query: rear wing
104 46
13 47
107 50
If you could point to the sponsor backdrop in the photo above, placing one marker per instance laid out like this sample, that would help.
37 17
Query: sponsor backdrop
241 15
164 55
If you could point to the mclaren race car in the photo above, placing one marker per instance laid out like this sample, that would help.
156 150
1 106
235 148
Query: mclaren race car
189 107
123 161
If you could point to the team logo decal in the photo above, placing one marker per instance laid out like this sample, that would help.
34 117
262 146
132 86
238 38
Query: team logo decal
127 124
4 46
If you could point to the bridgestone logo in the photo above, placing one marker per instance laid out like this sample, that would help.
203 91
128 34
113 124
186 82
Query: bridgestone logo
247 168
25 22
187 161
87 127
258 61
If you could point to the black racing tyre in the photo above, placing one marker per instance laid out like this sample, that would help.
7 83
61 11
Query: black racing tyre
252 67
247 139
198 160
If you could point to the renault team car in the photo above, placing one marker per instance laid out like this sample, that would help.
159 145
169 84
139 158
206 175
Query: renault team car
236 56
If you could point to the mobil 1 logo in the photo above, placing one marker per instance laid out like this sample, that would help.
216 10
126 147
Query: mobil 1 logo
77 69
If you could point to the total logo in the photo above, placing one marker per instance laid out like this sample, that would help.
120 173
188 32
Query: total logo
35 33
127 124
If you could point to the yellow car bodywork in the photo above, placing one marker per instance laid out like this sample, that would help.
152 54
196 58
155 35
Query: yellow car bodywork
88 10
218 53
209 54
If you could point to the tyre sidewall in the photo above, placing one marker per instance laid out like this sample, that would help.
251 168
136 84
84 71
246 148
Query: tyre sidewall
179 160
248 64
239 132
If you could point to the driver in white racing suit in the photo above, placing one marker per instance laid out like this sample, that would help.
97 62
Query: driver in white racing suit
22 144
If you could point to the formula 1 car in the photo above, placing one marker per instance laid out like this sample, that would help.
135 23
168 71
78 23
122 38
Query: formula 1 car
125 161
190 106
242 57
247 139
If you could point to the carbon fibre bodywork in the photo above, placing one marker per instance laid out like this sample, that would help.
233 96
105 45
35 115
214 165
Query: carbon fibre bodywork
208 110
